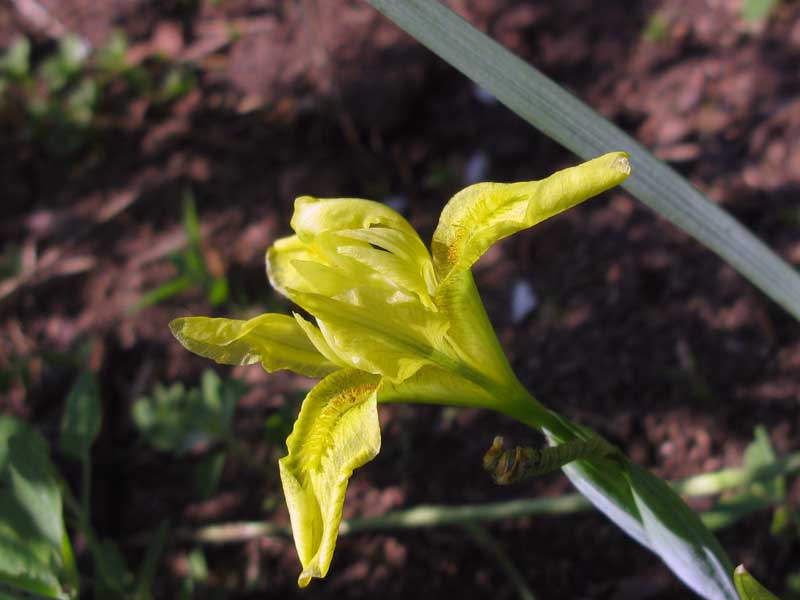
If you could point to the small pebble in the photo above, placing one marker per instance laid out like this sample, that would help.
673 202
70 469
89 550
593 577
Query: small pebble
523 300
482 95
399 202
476 168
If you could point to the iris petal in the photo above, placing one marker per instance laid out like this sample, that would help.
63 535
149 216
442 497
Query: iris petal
480 215
276 341
336 432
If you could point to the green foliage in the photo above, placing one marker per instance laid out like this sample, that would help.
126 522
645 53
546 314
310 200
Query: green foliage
756 11
278 425
81 422
63 67
177 419
793 586
15 64
177 82
112 58
657 28
149 565
34 554
197 575
749 588
10 261
766 489
191 265
56 101
35 550
207 473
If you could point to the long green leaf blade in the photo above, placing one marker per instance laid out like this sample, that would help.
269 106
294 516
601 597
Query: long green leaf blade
82 417
573 124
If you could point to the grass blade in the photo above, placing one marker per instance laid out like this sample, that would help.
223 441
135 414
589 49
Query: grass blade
573 124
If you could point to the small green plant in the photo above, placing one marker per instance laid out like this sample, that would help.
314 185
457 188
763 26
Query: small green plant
657 28
395 323
35 549
193 270
56 101
37 509
757 11
749 588
793 586
179 420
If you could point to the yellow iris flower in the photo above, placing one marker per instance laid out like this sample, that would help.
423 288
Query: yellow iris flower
394 322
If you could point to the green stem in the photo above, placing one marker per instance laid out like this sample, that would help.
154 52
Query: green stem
526 409
86 489
702 485
489 544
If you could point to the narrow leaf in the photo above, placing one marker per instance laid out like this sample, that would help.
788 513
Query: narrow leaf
31 521
150 563
749 588
81 421
34 485
759 455
648 510
22 569
678 536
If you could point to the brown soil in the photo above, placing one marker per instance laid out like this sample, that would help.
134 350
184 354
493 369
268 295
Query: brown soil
640 332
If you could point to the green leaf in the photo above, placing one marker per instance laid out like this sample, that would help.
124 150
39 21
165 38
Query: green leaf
80 103
749 588
756 11
336 432
22 568
34 485
678 536
207 474
59 70
480 215
178 82
111 570
31 522
113 56
149 566
191 223
218 291
759 455
16 61
80 424
175 419
602 482
648 510
274 340
729 510
570 122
